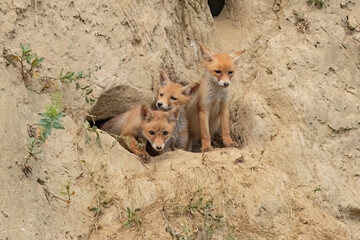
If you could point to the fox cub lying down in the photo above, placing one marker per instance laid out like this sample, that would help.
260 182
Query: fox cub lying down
141 123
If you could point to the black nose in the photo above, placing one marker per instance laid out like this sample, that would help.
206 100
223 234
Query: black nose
158 147
159 104
226 84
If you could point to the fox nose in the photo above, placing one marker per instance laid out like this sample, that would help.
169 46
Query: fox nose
159 104
158 147
226 84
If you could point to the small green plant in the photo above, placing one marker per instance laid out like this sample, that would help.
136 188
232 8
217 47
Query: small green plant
71 77
211 225
301 24
30 62
32 146
51 118
316 3
93 129
33 61
317 189
67 192
298 16
132 218
196 202
102 200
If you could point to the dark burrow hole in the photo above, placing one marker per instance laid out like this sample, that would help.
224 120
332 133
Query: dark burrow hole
216 6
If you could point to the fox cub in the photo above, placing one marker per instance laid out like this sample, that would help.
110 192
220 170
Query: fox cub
210 107
155 127
172 95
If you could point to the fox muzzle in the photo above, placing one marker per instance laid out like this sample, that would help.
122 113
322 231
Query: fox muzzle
158 147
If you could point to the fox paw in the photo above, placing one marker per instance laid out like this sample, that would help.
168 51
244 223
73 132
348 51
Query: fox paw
144 157
231 144
207 149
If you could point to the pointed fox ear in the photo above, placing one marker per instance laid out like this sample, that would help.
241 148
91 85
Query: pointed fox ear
173 114
206 53
236 55
146 113
164 79
190 89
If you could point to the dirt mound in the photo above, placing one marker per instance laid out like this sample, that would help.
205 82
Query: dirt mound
295 112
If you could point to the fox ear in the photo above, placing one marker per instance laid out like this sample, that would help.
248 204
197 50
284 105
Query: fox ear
190 89
173 114
146 113
236 55
164 79
206 53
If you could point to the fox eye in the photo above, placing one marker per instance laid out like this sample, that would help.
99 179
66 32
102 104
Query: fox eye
218 71
173 98
151 132
165 132
161 94
231 72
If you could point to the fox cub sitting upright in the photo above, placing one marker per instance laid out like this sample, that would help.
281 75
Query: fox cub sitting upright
172 95
210 108
155 127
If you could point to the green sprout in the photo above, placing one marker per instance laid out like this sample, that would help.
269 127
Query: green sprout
316 3
33 61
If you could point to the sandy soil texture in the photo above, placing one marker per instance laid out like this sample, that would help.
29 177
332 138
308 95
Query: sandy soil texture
295 112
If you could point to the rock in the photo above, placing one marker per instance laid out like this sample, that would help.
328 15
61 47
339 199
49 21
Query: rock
353 22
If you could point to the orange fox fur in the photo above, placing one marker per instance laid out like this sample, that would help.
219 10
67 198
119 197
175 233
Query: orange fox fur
155 127
209 109
172 95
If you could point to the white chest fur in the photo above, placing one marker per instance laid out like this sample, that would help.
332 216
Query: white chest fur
216 96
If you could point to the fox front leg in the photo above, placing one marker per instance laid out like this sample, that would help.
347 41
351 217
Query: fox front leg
225 127
205 133
130 143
